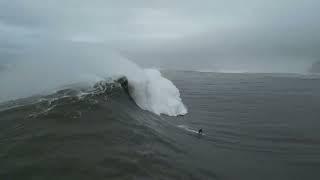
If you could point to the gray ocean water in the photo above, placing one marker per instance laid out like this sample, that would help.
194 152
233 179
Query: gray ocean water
256 126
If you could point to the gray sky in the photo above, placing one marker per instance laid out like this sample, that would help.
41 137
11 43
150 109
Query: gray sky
231 35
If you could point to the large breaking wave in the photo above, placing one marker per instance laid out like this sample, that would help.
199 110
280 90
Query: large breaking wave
48 69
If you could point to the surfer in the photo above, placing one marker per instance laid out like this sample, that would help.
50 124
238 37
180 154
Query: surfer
200 131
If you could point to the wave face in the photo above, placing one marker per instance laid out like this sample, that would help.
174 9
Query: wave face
50 68
99 128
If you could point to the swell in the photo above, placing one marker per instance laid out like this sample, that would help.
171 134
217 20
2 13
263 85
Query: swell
108 101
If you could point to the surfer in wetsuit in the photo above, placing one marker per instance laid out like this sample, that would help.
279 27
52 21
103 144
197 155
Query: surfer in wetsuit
200 131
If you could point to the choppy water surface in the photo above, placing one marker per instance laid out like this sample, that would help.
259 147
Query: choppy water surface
256 126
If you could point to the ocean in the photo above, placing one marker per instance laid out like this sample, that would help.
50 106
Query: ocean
255 127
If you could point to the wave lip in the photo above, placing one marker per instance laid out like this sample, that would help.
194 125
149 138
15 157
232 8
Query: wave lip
148 89
46 69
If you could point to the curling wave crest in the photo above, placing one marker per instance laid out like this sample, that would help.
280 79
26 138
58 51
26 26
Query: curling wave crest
50 69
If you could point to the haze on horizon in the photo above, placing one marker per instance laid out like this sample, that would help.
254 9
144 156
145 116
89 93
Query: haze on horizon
211 35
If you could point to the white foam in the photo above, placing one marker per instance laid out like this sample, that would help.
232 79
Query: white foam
157 94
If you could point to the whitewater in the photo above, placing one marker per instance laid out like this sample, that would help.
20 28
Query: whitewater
44 70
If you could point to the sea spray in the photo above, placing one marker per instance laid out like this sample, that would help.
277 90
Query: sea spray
45 69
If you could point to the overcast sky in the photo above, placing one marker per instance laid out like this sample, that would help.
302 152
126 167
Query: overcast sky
247 35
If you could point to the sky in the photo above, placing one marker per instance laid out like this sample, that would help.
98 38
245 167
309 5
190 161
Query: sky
206 35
